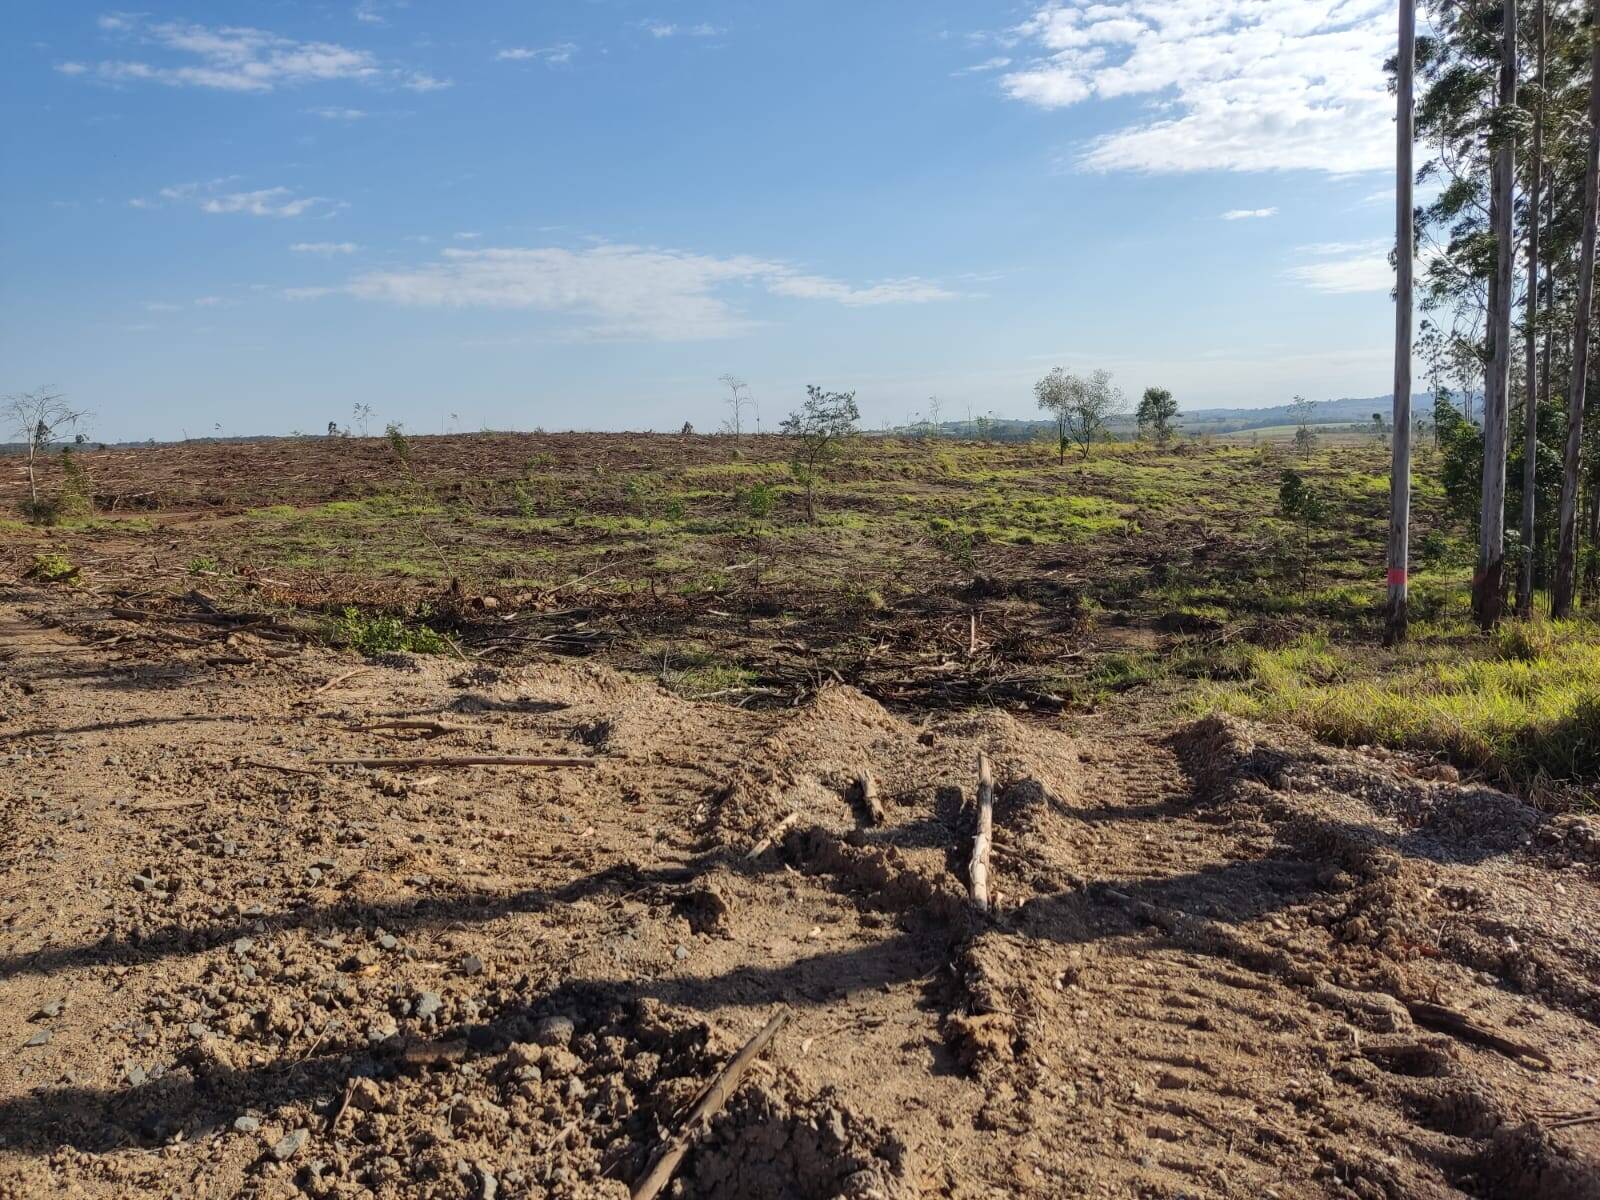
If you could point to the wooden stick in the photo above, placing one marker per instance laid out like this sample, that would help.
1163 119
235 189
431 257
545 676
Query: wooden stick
338 679
972 635
773 834
666 1162
868 787
266 766
978 868
179 806
463 760
427 726
1447 1020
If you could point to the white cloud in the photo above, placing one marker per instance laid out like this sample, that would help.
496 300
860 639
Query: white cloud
340 114
72 68
370 12
1345 267
617 291
1249 214
561 52
238 59
468 235
324 249
262 202
998 63
1241 85
666 29
161 306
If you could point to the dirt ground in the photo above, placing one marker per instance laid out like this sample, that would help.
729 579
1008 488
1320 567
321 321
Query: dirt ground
1222 961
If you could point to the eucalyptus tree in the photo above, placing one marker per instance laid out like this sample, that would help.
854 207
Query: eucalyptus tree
1405 251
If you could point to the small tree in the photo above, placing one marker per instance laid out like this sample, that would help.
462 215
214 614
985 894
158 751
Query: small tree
39 419
363 414
1157 409
1305 438
1095 401
1298 501
818 430
738 400
1054 394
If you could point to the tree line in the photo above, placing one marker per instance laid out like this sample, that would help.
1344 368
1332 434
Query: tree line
1499 104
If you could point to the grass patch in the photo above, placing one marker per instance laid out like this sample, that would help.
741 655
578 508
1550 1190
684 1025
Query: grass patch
383 633
1523 706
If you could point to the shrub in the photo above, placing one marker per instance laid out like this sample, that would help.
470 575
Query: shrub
52 567
758 500
380 633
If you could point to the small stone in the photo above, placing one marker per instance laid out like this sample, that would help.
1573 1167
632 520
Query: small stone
289 1145
381 1029
197 1030
426 1006
144 883
135 1075
471 964
51 1008
681 952
554 1031
388 941
40 1038
246 1124
243 946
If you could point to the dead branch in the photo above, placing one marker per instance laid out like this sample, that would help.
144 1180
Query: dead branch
773 834
266 766
338 679
462 760
671 1154
978 869
426 726
1446 1020
867 789
178 806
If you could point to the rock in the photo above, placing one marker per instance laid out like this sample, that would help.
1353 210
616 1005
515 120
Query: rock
289 1145
243 946
246 1124
426 1005
681 952
382 1029
51 1008
471 964
144 883
388 941
135 1075
557 1030
557 1062
40 1038
489 1186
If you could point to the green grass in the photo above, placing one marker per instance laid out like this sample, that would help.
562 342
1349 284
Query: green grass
379 633
1523 706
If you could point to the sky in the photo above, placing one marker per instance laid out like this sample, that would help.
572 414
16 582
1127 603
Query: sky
246 218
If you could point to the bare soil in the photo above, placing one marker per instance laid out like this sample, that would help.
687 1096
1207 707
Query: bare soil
1223 961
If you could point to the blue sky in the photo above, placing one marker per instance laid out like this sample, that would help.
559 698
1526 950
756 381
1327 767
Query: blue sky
581 213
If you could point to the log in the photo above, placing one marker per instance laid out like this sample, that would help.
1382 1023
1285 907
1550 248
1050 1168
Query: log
462 760
773 834
867 786
978 868
726 1082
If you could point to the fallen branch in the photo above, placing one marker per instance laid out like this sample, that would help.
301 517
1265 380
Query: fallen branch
978 869
425 725
338 679
178 806
462 760
867 788
666 1162
773 834
1446 1020
266 766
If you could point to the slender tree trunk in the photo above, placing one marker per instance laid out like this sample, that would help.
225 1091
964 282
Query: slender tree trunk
1489 585
1591 575
1400 468
1567 544
1530 425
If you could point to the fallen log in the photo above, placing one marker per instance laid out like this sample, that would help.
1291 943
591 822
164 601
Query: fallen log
463 760
978 868
671 1154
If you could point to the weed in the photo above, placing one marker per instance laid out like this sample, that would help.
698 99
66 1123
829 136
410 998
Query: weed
204 564
52 566
379 633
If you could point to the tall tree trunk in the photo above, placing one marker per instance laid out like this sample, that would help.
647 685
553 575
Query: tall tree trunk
1591 575
1400 466
1489 584
1530 426
1567 545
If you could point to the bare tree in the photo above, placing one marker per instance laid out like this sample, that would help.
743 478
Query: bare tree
738 400
935 405
39 419
1394 630
1488 585
363 414
1567 542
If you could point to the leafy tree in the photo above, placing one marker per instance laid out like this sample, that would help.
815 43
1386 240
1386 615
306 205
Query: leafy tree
1054 394
1157 409
1298 501
1305 438
1460 443
818 429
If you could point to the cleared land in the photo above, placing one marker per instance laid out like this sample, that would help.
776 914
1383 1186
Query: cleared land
1223 959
